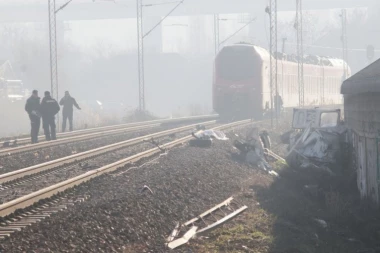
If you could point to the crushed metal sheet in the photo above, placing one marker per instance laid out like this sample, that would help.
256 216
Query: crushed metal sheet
184 239
319 143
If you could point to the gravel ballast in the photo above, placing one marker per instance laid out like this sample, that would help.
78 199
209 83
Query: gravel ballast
119 217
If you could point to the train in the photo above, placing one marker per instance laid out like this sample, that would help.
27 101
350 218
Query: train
241 81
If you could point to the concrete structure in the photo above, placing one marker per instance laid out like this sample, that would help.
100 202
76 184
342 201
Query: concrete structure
362 115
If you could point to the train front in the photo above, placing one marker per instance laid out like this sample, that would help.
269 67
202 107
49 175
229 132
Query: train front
237 83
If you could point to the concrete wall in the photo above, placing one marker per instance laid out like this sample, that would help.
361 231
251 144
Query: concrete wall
362 116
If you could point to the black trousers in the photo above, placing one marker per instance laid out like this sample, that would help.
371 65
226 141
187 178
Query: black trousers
67 116
49 128
35 123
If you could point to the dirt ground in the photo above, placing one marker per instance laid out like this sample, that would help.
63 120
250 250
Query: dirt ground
301 211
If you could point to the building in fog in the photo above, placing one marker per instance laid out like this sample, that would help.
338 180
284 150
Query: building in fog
362 115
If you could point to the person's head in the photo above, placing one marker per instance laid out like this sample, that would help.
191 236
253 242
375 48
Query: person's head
35 93
67 94
47 93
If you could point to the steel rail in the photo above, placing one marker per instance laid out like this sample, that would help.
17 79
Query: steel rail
10 176
10 207
27 148
24 141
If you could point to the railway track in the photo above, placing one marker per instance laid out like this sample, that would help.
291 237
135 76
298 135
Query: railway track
68 160
12 221
20 145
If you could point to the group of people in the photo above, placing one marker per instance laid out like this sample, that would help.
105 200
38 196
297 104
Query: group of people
47 109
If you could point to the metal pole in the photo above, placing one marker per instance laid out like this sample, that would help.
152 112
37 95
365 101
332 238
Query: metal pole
53 51
273 58
216 33
344 43
140 55
300 56
282 74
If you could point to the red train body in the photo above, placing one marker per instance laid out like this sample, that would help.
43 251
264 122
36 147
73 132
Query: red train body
241 84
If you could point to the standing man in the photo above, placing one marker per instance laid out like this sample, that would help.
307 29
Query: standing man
49 108
278 103
68 102
32 107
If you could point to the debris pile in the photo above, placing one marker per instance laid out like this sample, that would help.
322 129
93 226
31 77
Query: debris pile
252 149
203 138
316 140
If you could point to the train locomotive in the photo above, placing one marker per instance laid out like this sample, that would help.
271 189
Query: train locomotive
241 83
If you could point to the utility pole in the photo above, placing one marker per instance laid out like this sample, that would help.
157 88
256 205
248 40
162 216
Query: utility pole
282 67
344 43
140 55
140 46
53 49
298 26
272 11
216 33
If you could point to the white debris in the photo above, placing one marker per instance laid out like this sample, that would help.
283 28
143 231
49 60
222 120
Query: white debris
322 223
273 173
211 134
184 239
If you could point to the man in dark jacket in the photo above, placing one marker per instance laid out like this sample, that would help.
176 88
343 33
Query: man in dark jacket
49 108
68 102
32 107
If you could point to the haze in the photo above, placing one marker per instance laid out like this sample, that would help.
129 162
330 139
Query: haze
97 59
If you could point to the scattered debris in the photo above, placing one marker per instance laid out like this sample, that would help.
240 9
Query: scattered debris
174 234
227 209
87 166
322 223
316 141
146 188
274 155
203 138
210 134
184 239
10 143
252 149
273 173
155 143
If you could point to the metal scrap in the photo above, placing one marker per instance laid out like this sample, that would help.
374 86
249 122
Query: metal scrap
253 148
184 239
210 134
146 188
224 209
316 140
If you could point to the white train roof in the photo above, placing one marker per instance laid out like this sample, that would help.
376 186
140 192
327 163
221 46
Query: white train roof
264 54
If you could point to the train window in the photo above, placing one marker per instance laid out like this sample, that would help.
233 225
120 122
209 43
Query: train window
236 63
329 119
